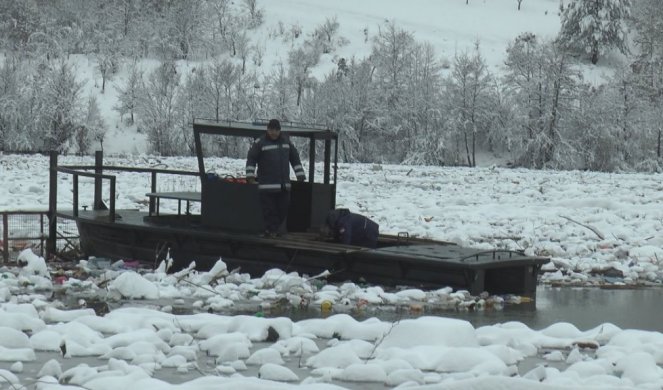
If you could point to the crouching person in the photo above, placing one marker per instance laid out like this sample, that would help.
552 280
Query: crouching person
352 229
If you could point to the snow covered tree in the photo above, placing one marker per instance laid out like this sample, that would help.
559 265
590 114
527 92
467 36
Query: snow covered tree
221 76
648 66
300 63
595 26
186 20
524 80
94 126
139 25
329 28
63 107
20 21
361 102
648 25
9 101
25 104
107 60
392 56
193 102
345 103
324 35
255 13
647 69
222 20
234 36
128 12
92 129
280 99
425 115
613 133
243 47
157 109
385 107
542 85
469 92
128 95
72 23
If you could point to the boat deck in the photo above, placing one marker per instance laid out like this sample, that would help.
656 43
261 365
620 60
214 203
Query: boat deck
187 223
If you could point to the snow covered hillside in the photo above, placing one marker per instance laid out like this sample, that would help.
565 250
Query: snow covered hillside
538 83
451 27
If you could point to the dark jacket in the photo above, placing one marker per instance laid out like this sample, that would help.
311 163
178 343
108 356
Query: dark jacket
273 158
353 229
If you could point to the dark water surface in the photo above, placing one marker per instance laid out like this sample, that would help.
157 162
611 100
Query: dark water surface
586 308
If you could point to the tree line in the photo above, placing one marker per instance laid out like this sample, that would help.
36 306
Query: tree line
400 104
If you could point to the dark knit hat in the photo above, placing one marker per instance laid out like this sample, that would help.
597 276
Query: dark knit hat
274 124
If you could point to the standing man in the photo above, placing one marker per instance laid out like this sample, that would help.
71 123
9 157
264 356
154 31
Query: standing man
272 155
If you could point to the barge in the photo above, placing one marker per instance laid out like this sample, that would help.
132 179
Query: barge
229 224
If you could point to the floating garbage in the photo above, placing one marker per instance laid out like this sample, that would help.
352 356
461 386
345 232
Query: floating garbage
416 308
326 305
98 263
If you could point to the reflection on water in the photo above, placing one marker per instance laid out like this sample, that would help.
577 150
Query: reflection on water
585 308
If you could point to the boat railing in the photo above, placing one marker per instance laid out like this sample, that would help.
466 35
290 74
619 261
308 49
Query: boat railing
76 170
98 175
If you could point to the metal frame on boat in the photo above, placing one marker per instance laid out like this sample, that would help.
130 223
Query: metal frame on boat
229 221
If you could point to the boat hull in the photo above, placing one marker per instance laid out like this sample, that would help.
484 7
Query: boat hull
397 261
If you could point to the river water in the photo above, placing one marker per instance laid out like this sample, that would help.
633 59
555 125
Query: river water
586 308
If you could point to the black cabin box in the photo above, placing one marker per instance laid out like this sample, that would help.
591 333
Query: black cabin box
232 206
